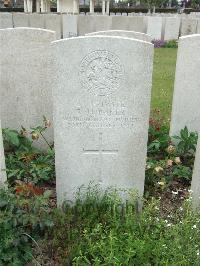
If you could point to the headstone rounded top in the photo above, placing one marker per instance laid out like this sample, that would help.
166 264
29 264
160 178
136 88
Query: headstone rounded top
98 38
123 33
36 35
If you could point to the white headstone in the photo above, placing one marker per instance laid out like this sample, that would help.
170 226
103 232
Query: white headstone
6 20
2 161
26 71
154 27
101 112
188 26
130 23
37 20
195 187
186 99
54 22
171 28
70 25
198 26
123 33
92 23
20 20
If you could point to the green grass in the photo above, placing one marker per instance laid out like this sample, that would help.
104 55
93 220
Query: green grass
163 80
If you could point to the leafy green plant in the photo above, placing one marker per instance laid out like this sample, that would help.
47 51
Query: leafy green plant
186 145
23 161
37 168
22 221
171 44
13 140
183 172
158 139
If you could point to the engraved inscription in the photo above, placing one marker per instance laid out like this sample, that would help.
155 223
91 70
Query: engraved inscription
101 73
102 113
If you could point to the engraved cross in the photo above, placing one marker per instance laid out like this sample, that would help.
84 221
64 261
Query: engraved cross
100 151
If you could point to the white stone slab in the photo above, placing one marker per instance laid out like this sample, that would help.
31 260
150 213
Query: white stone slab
6 20
70 25
101 112
171 28
92 23
198 26
134 23
54 22
188 26
37 20
3 177
123 33
154 27
26 71
186 99
20 19
195 186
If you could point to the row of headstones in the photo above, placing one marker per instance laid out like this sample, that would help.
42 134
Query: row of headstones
100 104
65 25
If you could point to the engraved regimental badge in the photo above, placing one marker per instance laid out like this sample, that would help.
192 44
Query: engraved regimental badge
101 72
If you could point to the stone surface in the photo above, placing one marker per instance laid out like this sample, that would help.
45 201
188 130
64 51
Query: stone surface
188 26
186 99
195 186
25 81
20 20
2 161
101 112
171 28
92 23
70 25
123 33
6 20
68 6
53 22
37 20
130 23
154 27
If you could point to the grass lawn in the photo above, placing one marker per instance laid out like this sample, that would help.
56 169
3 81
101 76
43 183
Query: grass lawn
163 80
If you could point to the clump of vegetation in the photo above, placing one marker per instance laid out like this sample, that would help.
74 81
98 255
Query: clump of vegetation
169 159
24 162
99 228
165 44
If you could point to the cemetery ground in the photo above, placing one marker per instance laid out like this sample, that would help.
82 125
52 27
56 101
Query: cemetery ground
100 229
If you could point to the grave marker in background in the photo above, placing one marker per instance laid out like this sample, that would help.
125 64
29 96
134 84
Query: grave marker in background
2 161
123 33
186 98
25 81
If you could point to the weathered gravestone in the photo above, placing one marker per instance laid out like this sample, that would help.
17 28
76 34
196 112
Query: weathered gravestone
37 20
171 26
2 161
195 187
6 20
91 23
188 26
70 25
20 19
101 112
186 99
25 81
123 33
129 23
154 27
54 22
